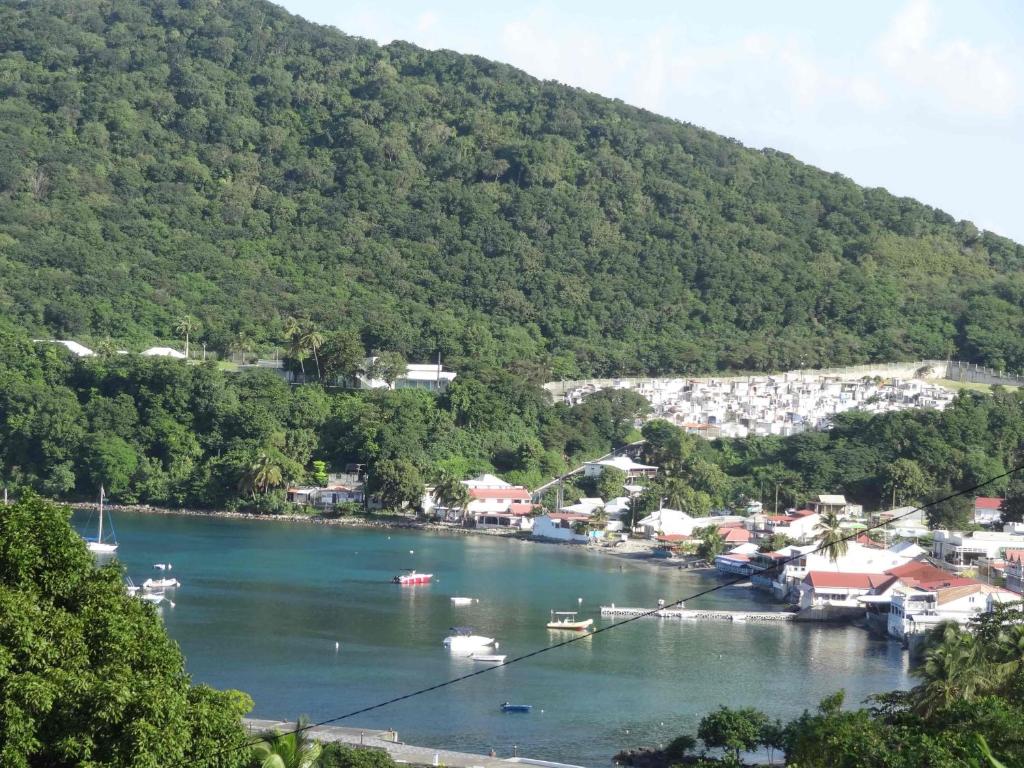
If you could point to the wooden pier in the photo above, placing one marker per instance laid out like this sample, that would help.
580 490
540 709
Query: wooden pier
699 615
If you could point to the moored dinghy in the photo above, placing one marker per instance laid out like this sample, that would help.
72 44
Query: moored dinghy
507 707
492 658
567 620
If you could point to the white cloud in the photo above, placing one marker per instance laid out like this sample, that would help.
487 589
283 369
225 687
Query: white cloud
955 75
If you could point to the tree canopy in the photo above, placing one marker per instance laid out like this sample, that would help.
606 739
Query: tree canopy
88 675
231 165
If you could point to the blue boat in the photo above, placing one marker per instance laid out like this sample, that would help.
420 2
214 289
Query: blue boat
506 707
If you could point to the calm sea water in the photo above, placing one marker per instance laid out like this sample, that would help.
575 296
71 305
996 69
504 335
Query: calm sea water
263 604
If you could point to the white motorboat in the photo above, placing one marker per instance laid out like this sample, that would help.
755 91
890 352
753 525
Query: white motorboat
463 601
153 597
567 620
492 658
162 566
98 545
160 584
463 639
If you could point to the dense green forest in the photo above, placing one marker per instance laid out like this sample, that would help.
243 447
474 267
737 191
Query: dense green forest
164 432
233 162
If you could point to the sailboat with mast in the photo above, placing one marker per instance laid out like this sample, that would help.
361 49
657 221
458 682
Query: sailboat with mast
98 545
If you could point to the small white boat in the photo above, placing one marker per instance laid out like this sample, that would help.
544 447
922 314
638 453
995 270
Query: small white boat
463 601
492 658
160 584
162 566
568 620
131 588
410 578
463 639
153 598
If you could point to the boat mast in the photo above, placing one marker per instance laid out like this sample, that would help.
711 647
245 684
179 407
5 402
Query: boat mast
99 535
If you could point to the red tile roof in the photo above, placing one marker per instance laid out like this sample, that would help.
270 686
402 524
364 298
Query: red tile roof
735 535
987 502
804 513
674 537
827 579
917 571
500 493
521 509
866 541
1014 554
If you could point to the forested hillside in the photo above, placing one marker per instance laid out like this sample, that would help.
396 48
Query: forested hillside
233 162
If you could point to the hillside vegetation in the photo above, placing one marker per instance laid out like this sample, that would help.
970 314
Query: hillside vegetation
233 162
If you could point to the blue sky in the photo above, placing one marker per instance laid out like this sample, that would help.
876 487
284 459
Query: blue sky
922 97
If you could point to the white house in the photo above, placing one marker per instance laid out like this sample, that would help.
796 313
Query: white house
558 527
920 609
799 525
674 522
430 376
962 549
786 580
986 510
841 590
163 352
325 498
493 503
633 470
836 502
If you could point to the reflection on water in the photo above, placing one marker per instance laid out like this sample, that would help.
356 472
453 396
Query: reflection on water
263 604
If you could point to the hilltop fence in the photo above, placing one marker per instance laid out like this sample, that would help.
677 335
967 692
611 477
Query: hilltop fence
954 370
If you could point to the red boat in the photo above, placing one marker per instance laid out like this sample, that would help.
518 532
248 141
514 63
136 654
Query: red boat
413 578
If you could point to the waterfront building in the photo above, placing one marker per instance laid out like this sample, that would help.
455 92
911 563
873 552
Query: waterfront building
670 522
919 609
326 497
559 527
825 589
798 526
784 579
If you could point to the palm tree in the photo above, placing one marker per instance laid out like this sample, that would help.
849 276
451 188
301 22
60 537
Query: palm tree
451 493
833 539
293 335
187 326
712 543
676 493
293 749
262 475
598 519
311 339
242 343
952 670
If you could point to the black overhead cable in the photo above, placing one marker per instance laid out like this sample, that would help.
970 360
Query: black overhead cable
623 622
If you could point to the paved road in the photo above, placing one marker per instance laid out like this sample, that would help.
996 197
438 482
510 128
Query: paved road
402 753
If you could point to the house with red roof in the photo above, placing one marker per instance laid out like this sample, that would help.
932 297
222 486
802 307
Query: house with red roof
986 510
835 590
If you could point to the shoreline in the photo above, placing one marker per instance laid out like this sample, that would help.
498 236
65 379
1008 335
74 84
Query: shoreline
639 551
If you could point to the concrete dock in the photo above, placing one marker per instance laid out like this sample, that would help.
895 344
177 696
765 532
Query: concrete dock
612 611
400 753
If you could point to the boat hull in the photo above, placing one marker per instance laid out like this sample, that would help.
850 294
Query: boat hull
571 626
101 548
160 584
516 707
467 642
413 578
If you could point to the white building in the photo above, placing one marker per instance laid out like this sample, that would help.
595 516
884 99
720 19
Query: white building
493 503
558 527
674 522
962 549
920 609
859 559
430 376
634 471
841 590
327 497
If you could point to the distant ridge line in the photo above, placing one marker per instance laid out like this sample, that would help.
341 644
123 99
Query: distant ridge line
954 370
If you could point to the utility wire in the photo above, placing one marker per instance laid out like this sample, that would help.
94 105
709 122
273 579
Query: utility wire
623 622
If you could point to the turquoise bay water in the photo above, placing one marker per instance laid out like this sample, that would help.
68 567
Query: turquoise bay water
263 603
